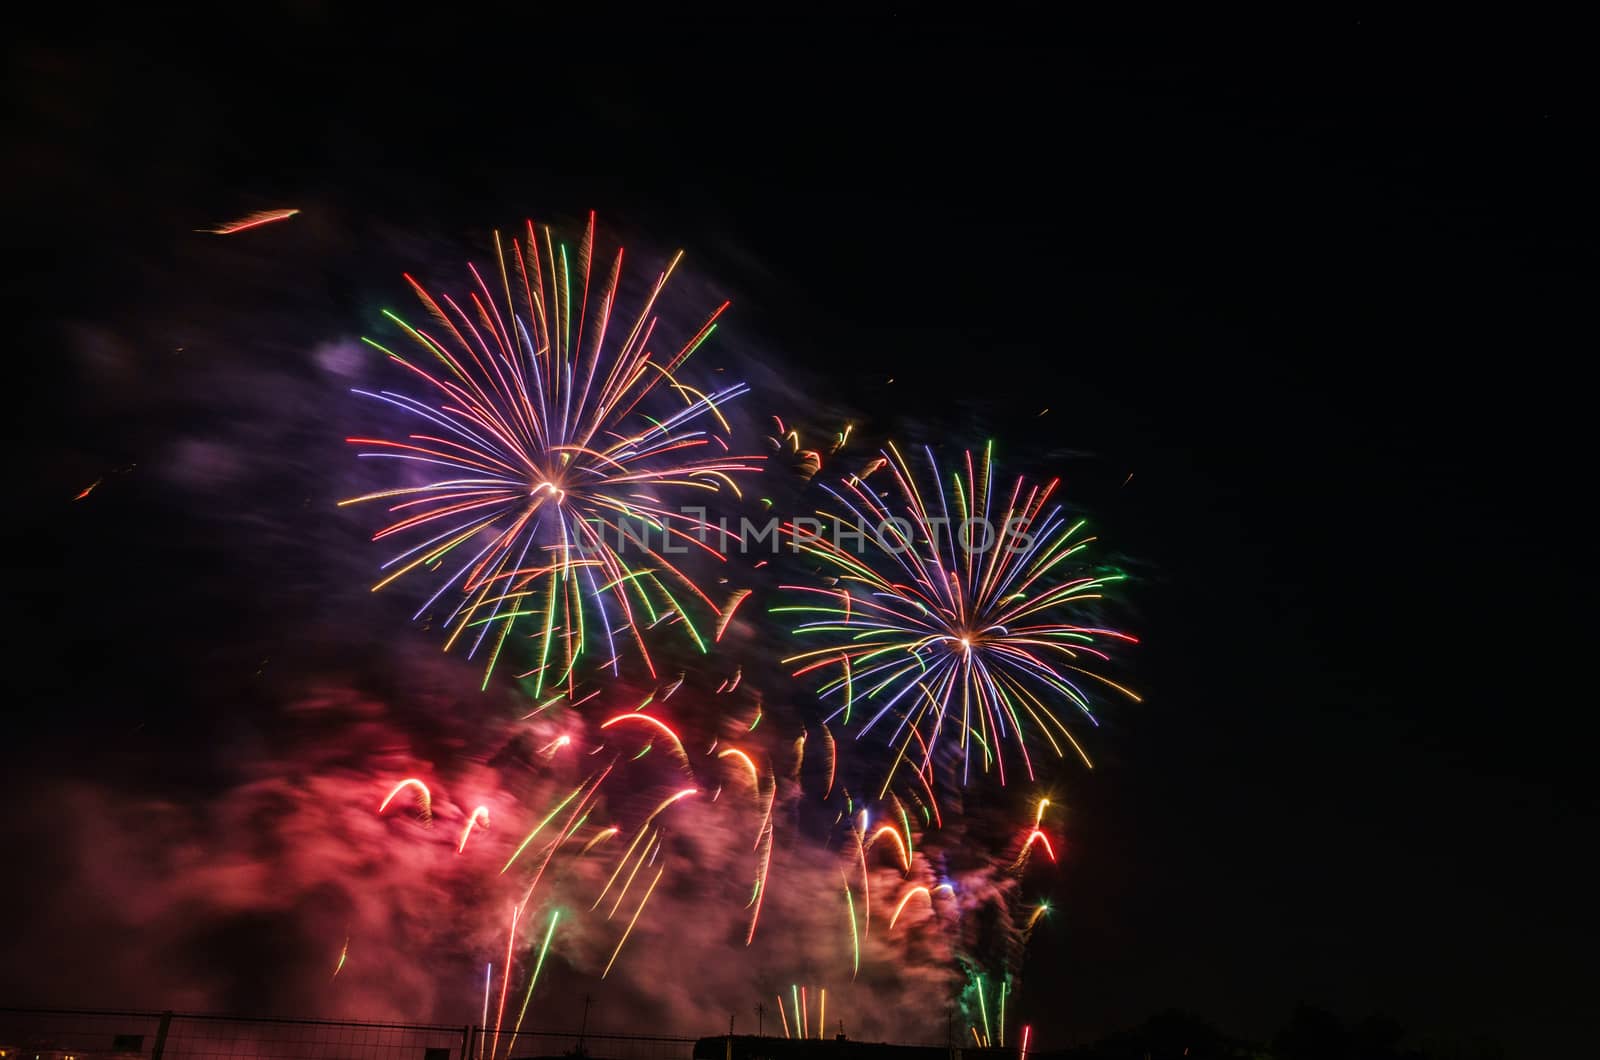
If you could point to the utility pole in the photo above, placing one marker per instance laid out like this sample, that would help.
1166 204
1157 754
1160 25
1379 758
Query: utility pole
761 1021
584 1025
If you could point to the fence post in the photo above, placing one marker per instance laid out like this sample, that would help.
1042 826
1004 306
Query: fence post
161 1036
466 1042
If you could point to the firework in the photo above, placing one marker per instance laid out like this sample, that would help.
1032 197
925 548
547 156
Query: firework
747 762
899 844
629 930
855 936
655 723
904 901
766 838
424 797
255 220
480 816
536 443
599 837
544 457
505 977
644 855
533 980
983 1010
1035 836
540 826
737 598
1040 910
960 617
833 760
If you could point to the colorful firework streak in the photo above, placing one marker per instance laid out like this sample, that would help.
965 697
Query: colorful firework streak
959 617
545 460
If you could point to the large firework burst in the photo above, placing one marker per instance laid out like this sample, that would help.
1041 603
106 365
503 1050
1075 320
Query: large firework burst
958 614
542 471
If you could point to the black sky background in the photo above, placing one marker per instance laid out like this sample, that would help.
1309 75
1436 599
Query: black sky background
1326 301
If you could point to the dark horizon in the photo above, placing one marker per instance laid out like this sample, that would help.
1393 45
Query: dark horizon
1299 323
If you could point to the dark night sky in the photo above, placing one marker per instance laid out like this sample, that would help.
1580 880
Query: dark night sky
1324 302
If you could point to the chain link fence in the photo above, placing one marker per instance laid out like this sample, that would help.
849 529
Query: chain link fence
83 1034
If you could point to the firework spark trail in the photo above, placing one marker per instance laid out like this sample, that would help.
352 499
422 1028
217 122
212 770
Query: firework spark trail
424 797
538 453
549 749
644 827
642 833
244 224
833 761
599 837
749 764
656 723
866 878
634 921
948 633
505 978
344 952
648 852
739 596
479 816
855 937
899 844
766 838
574 822
912 893
488 972
905 822
540 826
1035 835
555 916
